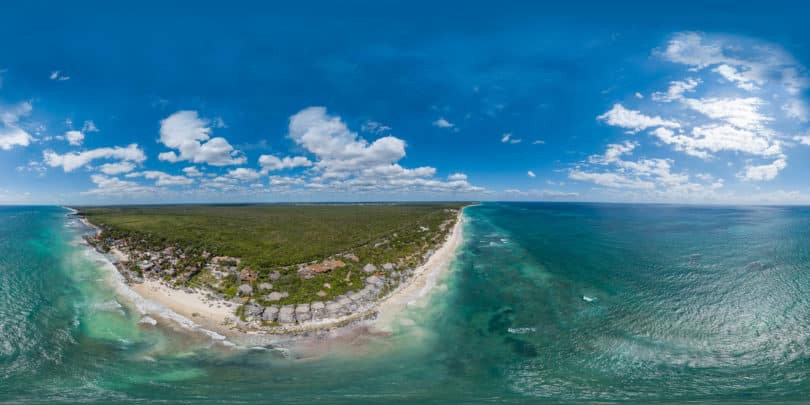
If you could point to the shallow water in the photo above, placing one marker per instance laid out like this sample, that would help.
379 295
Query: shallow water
688 303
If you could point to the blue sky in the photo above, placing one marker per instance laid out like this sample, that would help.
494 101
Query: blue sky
109 102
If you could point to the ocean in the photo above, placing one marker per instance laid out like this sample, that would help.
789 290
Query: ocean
544 302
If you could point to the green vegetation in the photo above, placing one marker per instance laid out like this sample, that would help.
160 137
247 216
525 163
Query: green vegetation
278 239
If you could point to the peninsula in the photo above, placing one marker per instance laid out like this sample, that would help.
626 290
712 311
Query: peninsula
277 269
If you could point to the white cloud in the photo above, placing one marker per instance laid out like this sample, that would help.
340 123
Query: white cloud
89 126
74 137
11 134
541 194
688 48
730 73
740 112
539 142
57 75
763 172
709 139
285 181
115 187
192 171
11 137
162 179
608 179
244 174
116 168
344 161
189 134
676 90
33 167
374 127
507 138
749 65
74 160
271 163
796 109
639 96
531 174
443 123
733 113
633 120
457 176
654 175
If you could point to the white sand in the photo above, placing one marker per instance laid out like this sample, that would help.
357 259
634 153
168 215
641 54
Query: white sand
211 314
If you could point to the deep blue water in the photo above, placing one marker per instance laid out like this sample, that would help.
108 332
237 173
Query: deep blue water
687 303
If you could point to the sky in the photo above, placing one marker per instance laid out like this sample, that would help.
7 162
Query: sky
147 102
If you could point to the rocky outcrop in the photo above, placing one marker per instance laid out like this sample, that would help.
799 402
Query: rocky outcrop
276 295
286 315
302 313
270 314
253 311
244 289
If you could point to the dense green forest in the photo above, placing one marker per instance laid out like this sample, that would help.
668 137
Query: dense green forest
270 238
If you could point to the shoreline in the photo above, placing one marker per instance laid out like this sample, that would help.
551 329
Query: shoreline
219 316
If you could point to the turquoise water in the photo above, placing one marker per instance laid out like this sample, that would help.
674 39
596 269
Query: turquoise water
688 303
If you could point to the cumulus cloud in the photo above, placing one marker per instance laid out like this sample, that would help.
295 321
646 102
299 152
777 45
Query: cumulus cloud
635 121
508 138
612 170
285 181
116 168
244 174
763 172
162 179
676 90
531 174
272 163
11 134
708 139
746 63
74 137
443 123
115 187
74 160
740 112
724 103
344 161
192 171
190 135
732 75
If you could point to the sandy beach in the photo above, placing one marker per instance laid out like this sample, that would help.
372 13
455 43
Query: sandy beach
215 315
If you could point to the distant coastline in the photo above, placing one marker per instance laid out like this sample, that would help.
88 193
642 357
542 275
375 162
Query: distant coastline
200 308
